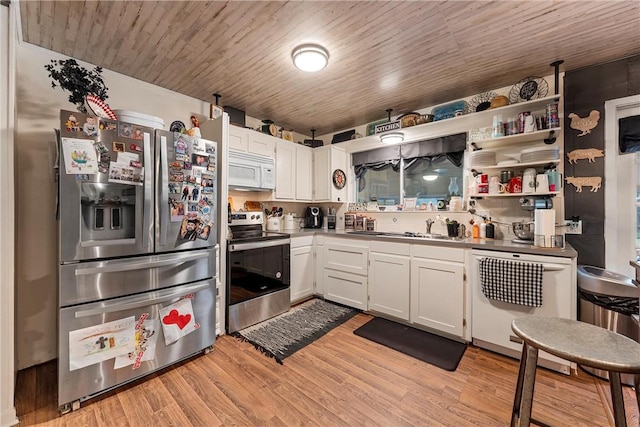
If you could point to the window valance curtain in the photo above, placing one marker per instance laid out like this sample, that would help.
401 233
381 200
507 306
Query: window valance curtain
452 147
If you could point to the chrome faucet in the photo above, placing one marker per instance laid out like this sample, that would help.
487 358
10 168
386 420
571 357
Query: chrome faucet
429 224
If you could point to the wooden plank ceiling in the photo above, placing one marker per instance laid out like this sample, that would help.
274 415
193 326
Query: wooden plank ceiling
400 55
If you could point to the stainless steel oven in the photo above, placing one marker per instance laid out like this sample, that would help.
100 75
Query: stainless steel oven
258 270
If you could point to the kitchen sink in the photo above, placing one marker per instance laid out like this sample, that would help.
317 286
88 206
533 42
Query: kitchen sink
408 234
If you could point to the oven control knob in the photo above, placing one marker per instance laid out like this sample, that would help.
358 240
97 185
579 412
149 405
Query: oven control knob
253 217
258 216
278 275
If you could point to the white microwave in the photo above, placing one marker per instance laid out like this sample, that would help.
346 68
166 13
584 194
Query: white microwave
251 172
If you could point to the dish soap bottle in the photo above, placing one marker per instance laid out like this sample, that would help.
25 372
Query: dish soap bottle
490 229
475 230
483 229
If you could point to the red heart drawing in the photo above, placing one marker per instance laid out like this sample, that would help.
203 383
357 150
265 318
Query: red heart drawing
174 318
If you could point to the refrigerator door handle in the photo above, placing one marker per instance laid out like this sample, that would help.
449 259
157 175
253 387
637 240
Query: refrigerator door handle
120 267
164 185
142 301
148 186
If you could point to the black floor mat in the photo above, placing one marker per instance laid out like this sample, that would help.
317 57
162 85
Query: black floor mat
436 350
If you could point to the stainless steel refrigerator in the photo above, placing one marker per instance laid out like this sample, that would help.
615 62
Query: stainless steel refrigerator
138 237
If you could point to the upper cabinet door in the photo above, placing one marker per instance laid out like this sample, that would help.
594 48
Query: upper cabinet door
238 138
321 174
260 143
304 166
325 161
285 170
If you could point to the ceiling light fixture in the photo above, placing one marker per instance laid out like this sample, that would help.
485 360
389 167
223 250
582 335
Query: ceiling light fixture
310 57
430 177
392 137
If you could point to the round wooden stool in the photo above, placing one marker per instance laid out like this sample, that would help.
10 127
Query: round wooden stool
578 342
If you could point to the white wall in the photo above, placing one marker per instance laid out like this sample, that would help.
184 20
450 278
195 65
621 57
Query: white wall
38 106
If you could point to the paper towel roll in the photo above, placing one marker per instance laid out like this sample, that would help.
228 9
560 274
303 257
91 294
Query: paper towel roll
545 225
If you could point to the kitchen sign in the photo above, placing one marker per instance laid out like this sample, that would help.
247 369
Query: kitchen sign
385 127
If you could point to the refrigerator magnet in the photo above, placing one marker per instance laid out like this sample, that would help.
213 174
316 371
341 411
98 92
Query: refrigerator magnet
203 231
210 148
201 160
107 125
72 124
177 165
176 177
176 208
189 227
187 166
174 188
136 132
182 157
90 127
118 146
181 145
124 130
134 147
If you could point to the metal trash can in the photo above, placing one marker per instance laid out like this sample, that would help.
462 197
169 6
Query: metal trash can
608 300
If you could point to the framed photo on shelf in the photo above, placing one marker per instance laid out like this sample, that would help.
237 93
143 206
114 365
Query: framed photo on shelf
409 203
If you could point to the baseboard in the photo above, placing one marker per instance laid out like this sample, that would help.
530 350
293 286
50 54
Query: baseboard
8 417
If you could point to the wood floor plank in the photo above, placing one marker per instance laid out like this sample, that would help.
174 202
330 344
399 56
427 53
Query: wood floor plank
339 380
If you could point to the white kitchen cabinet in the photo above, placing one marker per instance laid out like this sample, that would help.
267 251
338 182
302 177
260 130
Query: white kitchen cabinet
250 141
304 176
238 138
294 163
438 289
318 244
261 143
285 171
345 272
302 268
388 278
326 160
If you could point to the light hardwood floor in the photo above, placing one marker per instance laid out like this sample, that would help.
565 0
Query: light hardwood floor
339 380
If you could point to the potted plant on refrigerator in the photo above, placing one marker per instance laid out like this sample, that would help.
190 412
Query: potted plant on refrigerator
77 80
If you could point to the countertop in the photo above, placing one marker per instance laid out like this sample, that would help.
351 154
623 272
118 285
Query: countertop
485 244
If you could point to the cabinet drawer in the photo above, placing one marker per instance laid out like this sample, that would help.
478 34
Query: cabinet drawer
389 247
345 288
350 259
443 253
298 242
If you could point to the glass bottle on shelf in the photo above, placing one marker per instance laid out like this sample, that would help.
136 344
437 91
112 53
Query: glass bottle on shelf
453 186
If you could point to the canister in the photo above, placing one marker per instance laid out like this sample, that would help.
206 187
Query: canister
349 222
529 180
290 222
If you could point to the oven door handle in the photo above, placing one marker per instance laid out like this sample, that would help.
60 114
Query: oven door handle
120 267
142 301
236 247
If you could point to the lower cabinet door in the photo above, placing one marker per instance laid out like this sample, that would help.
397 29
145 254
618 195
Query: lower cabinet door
302 276
345 288
437 295
389 284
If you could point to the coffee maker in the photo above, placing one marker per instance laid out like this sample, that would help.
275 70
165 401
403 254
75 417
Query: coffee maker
313 217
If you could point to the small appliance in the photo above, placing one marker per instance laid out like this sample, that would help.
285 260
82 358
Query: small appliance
251 172
313 217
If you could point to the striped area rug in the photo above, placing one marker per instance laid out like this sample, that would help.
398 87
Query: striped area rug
283 335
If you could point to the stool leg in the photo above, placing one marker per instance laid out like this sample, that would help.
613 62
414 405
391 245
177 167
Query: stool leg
636 385
617 399
523 400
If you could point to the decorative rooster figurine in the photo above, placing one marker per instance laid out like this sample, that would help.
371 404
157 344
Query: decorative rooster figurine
584 124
